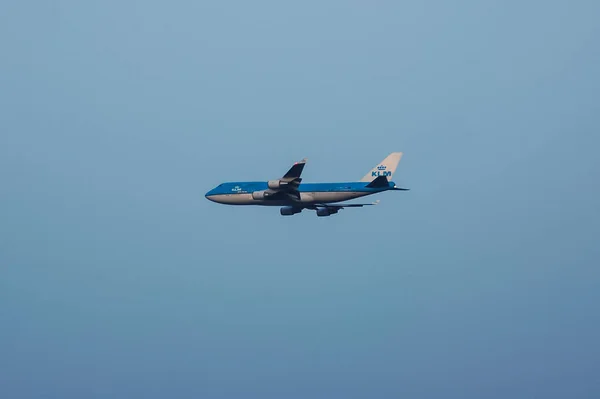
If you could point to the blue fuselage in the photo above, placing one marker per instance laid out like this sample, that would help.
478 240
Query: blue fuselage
245 193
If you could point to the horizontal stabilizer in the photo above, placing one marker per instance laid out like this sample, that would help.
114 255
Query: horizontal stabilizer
380 181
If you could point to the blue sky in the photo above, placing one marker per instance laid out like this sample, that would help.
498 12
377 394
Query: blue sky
120 280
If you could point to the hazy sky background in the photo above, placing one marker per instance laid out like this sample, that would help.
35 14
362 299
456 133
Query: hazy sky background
120 280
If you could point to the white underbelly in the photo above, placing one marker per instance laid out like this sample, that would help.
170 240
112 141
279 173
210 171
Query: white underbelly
305 197
335 196
234 199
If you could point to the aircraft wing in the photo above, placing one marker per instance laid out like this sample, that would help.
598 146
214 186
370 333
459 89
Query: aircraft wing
286 187
295 172
342 206
330 209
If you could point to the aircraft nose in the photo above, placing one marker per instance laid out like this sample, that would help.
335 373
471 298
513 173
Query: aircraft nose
209 195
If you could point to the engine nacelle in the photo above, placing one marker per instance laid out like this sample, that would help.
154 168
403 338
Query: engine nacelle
323 212
276 184
326 211
259 195
289 211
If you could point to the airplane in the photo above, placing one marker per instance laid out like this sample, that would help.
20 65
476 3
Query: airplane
293 196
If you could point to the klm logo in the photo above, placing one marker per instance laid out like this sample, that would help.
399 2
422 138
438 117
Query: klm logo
236 189
381 171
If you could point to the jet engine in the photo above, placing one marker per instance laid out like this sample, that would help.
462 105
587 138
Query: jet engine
326 211
276 184
289 211
259 195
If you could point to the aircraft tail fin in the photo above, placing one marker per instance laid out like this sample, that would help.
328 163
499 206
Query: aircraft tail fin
386 168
